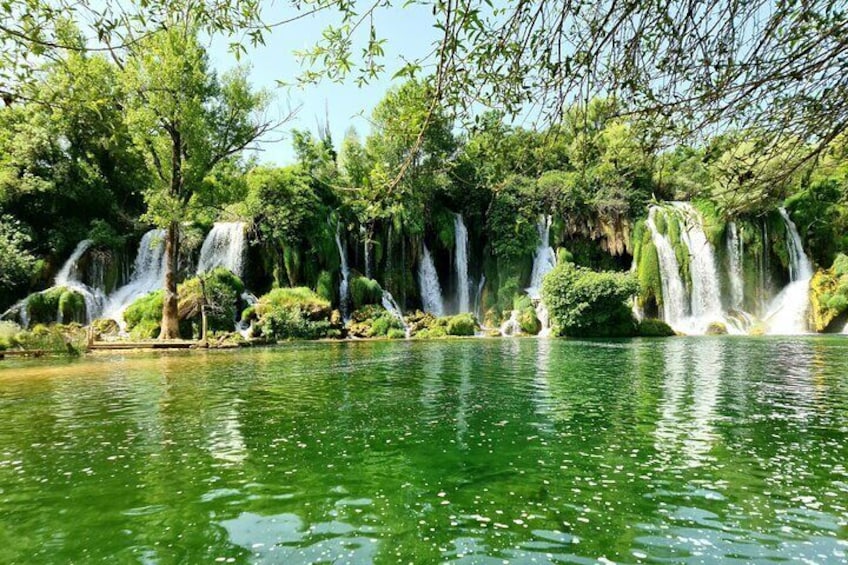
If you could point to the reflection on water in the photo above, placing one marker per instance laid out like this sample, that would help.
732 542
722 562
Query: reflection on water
470 451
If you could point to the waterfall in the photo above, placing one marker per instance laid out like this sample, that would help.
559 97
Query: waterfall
70 270
366 247
69 277
787 313
389 303
544 260
674 293
706 288
148 275
224 246
463 284
428 279
478 297
511 327
735 255
344 283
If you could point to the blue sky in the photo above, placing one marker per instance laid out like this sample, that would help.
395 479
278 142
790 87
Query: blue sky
408 31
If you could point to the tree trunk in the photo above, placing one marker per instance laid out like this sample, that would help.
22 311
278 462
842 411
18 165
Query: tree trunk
170 314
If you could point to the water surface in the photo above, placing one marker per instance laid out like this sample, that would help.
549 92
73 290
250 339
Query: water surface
687 450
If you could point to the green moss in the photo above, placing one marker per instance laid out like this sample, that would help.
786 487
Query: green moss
293 313
146 311
716 328
45 307
529 322
326 287
564 256
829 294
648 273
650 327
395 333
461 324
365 291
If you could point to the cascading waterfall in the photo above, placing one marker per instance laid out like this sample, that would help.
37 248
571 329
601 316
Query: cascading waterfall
511 326
735 255
390 304
69 277
428 280
544 261
461 261
705 299
345 282
148 275
478 297
787 312
224 246
674 292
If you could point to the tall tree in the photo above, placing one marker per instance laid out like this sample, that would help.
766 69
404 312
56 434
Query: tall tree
187 122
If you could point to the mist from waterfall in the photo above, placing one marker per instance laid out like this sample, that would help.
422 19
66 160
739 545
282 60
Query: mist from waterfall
463 289
787 313
428 280
224 246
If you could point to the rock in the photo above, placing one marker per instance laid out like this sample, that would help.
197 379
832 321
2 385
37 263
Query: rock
716 328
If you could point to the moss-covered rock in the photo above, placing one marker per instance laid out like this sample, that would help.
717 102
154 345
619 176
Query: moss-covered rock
47 307
529 321
364 292
293 313
716 328
105 327
650 327
461 325
373 321
829 294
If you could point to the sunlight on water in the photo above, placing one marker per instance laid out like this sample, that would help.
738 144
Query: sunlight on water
700 450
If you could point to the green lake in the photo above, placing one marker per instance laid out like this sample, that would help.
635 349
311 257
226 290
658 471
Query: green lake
685 450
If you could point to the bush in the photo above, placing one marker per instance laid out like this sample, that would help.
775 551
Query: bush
586 303
223 292
461 324
395 333
373 321
293 313
650 327
147 310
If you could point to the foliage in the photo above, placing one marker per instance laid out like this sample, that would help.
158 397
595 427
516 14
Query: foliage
221 292
829 294
650 327
586 303
461 325
17 264
820 213
293 313
373 321
364 291
46 307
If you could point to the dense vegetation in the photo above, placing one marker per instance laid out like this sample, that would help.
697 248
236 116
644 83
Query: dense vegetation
105 147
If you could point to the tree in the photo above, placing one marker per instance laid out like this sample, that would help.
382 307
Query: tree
186 122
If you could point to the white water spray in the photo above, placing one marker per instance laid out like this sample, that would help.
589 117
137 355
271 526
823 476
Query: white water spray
224 246
428 280
787 313
461 261
148 275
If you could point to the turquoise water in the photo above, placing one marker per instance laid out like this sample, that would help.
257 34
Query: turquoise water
686 450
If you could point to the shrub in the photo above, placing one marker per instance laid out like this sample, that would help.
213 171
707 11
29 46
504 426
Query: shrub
293 313
395 333
461 324
650 327
223 290
587 303
147 309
